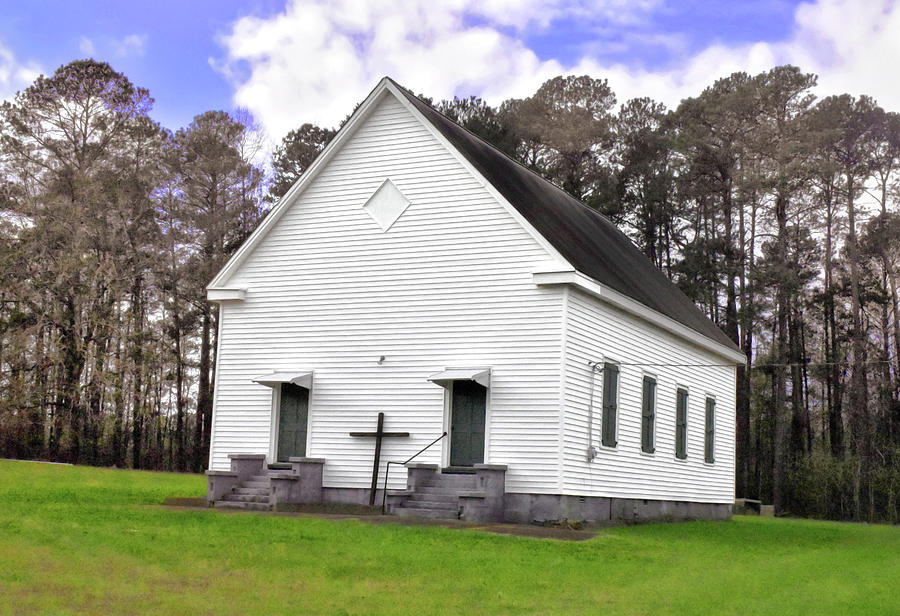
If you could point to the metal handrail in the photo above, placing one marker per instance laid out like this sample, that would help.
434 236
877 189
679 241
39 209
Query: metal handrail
387 470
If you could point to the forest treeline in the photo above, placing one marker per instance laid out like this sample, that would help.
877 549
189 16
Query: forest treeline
774 210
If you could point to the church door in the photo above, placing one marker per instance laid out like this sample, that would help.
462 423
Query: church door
292 419
467 410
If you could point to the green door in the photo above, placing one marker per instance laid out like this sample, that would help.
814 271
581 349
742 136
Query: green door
467 423
292 418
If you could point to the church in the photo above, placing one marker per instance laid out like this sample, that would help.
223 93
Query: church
425 323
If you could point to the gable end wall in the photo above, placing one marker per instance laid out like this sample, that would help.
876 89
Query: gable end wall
449 284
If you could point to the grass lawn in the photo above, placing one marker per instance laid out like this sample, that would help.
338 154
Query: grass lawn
86 540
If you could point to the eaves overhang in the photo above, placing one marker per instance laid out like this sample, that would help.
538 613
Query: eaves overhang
574 278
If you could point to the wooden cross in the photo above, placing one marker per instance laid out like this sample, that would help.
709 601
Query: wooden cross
378 434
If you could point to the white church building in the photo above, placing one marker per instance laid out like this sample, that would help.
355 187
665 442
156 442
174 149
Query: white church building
546 367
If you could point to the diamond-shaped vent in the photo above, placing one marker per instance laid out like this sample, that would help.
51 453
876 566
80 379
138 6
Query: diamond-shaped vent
386 205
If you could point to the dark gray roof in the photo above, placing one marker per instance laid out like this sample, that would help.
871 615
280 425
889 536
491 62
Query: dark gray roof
586 238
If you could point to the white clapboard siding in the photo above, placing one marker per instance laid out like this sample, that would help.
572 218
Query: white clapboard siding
598 331
449 284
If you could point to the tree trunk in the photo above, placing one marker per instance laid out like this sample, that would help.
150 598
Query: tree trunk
744 385
207 416
180 461
895 413
798 429
859 394
118 447
204 399
834 379
782 300
895 308
137 359
807 422
731 318
68 407
37 417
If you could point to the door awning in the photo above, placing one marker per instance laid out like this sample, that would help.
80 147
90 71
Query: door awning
303 379
482 376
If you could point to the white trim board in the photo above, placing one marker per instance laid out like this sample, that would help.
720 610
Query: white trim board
222 295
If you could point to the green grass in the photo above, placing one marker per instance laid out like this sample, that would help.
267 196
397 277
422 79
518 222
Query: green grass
86 540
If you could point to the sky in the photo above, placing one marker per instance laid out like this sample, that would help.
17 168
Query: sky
295 61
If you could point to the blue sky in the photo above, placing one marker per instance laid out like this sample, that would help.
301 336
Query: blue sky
690 24
179 38
310 60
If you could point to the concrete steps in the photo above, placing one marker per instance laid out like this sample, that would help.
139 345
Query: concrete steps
453 481
438 497
251 495
247 498
252 491
228 504
428 504
419 512
436 494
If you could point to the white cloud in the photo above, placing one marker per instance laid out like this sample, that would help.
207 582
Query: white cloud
86 47
854 46
318 58
14 74
851 45
131 45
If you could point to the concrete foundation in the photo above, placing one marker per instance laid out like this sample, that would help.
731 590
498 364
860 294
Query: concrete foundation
545 508
349 496
487 502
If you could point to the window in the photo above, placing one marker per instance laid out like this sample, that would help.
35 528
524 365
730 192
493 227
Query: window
681 408
710 441
610 396
648 414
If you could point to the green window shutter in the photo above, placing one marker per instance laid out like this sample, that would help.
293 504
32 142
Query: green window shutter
648 414
709 449
681 425
610 395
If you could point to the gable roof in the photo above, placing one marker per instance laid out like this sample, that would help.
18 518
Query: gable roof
589 241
